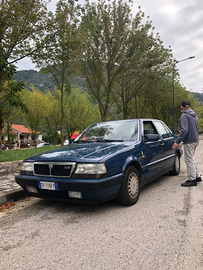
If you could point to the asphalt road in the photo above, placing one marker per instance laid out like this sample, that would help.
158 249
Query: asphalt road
164 230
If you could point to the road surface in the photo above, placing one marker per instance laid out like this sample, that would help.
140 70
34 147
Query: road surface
164 230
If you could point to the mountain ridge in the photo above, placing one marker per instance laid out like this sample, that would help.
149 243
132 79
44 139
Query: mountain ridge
43 82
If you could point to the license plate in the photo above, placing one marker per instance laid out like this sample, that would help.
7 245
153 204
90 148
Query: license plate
48 185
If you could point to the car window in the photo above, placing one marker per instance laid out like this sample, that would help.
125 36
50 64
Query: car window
110 131
149 128
165 133
170 133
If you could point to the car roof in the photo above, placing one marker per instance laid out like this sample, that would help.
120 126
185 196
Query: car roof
129 120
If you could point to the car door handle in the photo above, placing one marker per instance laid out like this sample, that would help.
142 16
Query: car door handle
162 144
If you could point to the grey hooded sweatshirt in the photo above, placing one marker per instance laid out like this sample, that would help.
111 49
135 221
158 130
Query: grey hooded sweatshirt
189 129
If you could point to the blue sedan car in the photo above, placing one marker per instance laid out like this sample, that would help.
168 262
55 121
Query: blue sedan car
108 160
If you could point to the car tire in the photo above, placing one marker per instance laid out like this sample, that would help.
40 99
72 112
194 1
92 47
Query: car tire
130 188
176 165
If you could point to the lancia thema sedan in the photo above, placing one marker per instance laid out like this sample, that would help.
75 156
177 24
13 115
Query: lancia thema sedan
108 160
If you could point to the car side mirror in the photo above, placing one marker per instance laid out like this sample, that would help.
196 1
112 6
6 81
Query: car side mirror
151 137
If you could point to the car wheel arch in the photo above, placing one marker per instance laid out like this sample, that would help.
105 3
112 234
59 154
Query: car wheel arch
176 166
130 188
135 164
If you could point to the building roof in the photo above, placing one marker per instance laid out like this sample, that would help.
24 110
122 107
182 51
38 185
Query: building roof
21 128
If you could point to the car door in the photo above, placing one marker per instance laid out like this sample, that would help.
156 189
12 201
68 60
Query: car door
168 140
154 152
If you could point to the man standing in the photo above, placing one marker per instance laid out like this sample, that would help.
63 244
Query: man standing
189 135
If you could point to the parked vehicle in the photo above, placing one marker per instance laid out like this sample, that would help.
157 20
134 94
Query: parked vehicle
6 144
107 160
43 144
3 147
24 144
66 142
73 137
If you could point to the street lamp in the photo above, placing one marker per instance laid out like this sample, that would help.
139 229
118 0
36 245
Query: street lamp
191 57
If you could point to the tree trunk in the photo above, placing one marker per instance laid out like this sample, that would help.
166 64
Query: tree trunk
1 131
62 116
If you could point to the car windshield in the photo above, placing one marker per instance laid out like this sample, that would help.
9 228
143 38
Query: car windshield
114 131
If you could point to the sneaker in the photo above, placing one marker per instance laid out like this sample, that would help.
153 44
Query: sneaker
199 179
189 183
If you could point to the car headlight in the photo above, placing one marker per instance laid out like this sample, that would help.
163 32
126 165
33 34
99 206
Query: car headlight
27 168
84 170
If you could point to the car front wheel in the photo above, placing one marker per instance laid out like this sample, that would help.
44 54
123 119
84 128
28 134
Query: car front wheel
176 165
130 188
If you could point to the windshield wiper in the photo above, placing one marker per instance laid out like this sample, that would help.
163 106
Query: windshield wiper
85 141
106 140
97 140
80 141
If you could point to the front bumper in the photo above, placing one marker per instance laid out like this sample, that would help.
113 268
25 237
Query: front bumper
93 191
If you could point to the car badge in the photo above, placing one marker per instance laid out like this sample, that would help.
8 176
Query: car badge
51 166
67 167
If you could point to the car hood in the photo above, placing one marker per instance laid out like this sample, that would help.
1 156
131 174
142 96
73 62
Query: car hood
86 152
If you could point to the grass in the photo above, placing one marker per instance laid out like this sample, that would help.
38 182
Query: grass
20 154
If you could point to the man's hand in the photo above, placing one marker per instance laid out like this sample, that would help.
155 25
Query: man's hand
175 145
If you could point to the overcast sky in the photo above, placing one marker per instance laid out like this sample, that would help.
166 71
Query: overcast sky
180 25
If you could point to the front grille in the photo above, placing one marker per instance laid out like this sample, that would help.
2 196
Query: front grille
56 169
61 170
41 169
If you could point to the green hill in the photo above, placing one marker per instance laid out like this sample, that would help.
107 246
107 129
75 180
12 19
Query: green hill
200 97
43 81
39 80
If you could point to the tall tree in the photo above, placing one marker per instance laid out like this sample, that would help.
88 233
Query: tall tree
38 105
22 27
118 48
106 49
148 66
198 108
59 56
52 122
11 114
9 99
80 112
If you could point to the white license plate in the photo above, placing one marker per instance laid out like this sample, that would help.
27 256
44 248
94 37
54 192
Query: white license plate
48 185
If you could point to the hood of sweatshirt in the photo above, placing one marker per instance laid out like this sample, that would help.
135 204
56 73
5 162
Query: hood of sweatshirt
190 112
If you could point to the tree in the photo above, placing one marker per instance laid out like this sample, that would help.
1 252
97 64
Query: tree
80 112
58 57
145 77
22 27
9 100
38 105
12 114
198 108
105 51
52 121
117 53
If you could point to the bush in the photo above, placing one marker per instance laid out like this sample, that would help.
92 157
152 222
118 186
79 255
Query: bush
53 139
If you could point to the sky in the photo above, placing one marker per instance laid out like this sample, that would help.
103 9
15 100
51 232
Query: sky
180 26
